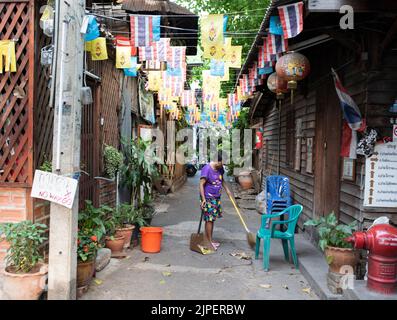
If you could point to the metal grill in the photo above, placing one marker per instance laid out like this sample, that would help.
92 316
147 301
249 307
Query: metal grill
16 113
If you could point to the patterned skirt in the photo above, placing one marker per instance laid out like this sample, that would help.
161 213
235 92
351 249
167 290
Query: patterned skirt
212 209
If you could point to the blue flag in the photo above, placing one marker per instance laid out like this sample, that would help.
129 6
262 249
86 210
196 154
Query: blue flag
92 29
225 18
131 72
156 28
217 68
266 70
275 25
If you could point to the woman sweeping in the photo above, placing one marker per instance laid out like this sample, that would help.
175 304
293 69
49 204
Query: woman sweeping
211 182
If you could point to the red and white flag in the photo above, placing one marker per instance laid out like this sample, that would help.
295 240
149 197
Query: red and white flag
277 44
291 17
188 98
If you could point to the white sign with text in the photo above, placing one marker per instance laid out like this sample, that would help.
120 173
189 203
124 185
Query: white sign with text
54 188
381 177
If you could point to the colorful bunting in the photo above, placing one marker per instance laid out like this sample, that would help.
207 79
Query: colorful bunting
235 56
144 30
217 68
277 44
212 27
291 17
133 70
123 57
275 26
98 49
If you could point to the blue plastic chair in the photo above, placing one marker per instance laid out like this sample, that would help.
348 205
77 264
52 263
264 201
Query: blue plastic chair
267 231
277 192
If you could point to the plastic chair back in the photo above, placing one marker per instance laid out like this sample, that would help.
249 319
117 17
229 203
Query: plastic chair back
277 187
293 214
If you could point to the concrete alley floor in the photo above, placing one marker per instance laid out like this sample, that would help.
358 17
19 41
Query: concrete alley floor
178 273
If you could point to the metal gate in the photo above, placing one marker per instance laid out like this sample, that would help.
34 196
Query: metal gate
89 153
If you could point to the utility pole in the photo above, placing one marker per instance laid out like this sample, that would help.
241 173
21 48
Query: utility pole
67 79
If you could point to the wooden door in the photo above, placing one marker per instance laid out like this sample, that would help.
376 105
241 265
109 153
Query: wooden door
328 145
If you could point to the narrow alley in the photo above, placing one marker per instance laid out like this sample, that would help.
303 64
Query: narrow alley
178 273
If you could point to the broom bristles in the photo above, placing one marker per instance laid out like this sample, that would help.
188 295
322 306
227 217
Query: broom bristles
251 239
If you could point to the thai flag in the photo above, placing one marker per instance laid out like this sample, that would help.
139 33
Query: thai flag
277 44
144 30
291 17
187 98
353 120
350 110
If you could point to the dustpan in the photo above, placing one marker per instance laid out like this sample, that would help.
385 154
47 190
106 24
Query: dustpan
199 242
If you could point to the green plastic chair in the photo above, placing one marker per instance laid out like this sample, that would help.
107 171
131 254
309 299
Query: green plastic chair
267 231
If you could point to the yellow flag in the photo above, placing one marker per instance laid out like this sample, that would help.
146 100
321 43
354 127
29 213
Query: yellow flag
88 46
7 52
98 49
222 104
226 50
154 80
210 83
213 52
235 56
123 57
212 35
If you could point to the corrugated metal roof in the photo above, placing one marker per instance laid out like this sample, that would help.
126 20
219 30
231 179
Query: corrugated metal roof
154 6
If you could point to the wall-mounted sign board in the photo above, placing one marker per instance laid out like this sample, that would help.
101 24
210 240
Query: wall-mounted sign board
381 177
54 188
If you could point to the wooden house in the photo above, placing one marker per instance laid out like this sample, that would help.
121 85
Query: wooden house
302 139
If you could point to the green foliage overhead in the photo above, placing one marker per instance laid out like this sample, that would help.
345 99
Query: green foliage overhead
244 16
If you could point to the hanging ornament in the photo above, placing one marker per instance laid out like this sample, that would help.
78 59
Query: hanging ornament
277 85
292 67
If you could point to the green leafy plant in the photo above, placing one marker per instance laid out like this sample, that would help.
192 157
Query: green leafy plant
140 169
113 160
87 245
25 239
93 219
130 215
46 166
332 233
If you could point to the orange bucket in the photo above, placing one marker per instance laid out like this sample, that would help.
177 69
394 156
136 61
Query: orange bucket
151 239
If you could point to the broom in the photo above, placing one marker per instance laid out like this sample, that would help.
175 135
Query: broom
250 236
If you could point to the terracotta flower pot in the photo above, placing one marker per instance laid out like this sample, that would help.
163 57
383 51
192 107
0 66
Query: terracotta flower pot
85 272
245 180
116 245
127 233
341 257
25 286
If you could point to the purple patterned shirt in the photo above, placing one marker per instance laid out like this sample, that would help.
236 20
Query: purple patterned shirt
213 184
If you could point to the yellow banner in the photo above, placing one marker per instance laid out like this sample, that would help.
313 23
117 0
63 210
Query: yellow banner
98 49
235 56
226 49
88 46
212 39
226 76
123 57
154 80
7 52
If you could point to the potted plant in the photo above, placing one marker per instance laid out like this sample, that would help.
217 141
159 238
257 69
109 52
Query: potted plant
113 161
112 241
124 222
87 246
91 232
332 241
25 273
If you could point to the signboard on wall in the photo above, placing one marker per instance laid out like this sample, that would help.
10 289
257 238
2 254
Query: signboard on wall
54 188
381 177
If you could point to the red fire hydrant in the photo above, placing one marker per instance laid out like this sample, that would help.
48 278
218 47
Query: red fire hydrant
381 242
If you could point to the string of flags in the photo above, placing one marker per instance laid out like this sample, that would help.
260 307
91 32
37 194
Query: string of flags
166 66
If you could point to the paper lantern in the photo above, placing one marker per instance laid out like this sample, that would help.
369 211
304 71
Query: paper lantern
277 85
293 67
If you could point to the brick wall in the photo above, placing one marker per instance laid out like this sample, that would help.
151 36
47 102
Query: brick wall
14 207
41 214
107 193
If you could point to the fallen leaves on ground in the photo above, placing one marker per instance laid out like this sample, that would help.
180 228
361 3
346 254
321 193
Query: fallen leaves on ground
145 259
167 274
285 286
265 286
162 281
306 290
241 255
98 281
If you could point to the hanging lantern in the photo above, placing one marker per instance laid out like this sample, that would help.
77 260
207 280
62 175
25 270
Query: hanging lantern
293 67
277 85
